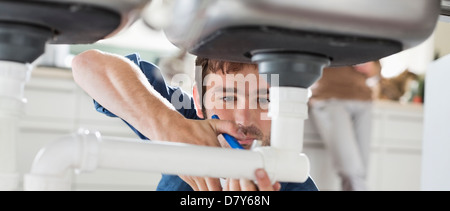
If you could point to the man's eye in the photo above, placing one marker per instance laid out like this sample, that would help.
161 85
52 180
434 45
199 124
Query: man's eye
228 98
263 100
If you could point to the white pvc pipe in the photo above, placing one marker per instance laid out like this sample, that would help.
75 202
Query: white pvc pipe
87 151
53 164
288 110
179 159
9 177
13 77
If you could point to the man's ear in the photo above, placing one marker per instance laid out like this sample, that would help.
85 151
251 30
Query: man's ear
197 101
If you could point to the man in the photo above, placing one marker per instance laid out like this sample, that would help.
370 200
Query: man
135 91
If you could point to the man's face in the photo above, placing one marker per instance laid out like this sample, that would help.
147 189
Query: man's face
243 97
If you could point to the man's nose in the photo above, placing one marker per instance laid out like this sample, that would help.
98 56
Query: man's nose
245 115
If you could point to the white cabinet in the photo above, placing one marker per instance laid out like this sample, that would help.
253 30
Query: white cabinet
396 150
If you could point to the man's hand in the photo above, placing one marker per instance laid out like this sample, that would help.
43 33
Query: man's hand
202 183
213 184
262 180
200 132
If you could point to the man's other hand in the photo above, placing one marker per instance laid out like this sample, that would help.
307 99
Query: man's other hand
213 184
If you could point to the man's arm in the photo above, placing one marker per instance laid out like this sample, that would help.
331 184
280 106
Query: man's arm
121 87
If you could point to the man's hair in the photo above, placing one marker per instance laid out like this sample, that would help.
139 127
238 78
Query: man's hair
212 66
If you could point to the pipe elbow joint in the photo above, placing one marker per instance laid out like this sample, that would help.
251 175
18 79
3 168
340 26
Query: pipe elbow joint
52 163
285 165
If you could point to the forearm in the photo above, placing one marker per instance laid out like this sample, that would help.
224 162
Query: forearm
120 86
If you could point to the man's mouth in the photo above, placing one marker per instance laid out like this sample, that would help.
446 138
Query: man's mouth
246 143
